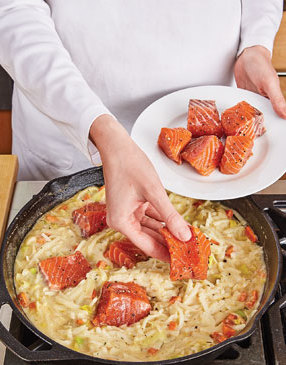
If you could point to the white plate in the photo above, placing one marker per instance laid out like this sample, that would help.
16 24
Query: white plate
267 164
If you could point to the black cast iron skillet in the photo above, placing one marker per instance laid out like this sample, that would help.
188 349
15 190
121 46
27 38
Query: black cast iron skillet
63 188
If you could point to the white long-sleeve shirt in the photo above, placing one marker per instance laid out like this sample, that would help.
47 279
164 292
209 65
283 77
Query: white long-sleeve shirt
75 60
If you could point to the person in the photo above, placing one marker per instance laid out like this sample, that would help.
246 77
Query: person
84 70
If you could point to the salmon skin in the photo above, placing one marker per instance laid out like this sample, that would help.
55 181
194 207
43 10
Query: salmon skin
90 218
243 120
172 141
121 303
203 118
125 253
63 272
204 154
189 260
237 151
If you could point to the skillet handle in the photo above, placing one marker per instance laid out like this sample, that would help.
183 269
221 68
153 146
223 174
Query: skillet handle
56 352
268 204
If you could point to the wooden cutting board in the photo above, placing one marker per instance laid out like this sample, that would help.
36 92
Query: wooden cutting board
8 176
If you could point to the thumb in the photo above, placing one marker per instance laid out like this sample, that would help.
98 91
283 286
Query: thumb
276 97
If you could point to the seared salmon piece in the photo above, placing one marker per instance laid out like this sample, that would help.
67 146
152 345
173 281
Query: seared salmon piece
125 253
90 218
189 260
243 120
121 303
203 118
204 154
237 151
63 272
172 141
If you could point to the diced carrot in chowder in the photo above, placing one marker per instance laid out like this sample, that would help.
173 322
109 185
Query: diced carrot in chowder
152 351
218 337
242 297
252 300
229 251
229 213
23 299
250 234
227 330
172 325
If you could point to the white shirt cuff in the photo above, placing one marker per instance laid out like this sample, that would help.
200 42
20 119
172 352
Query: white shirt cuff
256 41
86 146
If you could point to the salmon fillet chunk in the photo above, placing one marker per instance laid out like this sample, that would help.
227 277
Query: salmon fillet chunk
203 118
189 260
172 141
243 120
125 253
204 154
63 272
90 218
237 151
121 303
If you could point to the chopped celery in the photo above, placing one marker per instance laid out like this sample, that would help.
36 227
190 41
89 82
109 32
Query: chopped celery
232 223
79 340
244 269
216 276
98 196
212 260
242 314
158 336
86 308
187 218
33 270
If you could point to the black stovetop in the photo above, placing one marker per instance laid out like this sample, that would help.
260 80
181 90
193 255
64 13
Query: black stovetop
267 345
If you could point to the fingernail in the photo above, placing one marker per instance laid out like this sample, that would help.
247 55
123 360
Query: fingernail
185 234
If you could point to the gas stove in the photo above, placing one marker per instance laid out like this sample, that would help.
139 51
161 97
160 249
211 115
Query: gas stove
267 345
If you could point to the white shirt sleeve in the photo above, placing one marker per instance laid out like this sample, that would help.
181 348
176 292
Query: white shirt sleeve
33 54
259 23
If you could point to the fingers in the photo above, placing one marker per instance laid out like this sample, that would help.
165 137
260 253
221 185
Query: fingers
144 239
153 213
157 236
151 223
273 91
174 221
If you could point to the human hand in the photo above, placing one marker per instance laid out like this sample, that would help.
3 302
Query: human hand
254 71
136 200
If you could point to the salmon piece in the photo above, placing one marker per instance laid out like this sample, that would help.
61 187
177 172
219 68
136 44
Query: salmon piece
203 118
189 260
90 218
204 154
121 303
237 151
172 141
63 272
243 120
125 253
